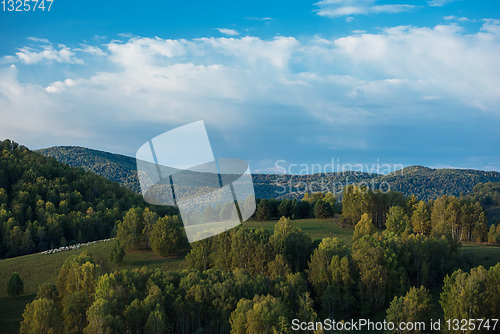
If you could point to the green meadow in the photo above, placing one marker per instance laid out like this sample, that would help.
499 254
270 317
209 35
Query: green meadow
484 255
36 269
316 228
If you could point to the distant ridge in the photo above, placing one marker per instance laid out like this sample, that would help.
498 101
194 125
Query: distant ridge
114 167
423 182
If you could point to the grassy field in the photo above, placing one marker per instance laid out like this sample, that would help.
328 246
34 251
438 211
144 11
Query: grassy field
36 269
316 228
484 255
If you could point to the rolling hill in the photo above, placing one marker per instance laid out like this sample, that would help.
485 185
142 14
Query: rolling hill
114 167
45 204
425 183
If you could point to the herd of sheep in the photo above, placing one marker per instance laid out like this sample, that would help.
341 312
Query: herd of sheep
67 248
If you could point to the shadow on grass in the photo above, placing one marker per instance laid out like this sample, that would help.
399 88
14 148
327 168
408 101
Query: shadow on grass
11 311
143 258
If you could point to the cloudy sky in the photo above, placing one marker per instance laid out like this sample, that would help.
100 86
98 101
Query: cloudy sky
356 81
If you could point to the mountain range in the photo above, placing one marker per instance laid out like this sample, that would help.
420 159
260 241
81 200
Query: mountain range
423 182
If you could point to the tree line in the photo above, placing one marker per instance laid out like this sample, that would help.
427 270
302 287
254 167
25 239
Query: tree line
458 218
315 205
145 229
259 251
449 216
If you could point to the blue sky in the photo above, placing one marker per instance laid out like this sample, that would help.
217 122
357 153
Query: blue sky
356 81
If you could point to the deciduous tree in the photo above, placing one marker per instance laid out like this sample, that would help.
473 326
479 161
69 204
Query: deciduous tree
15 286
116 254
413 307
166 236
41 316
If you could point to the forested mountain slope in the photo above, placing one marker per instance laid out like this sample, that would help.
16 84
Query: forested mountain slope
114 167
425 183
46 204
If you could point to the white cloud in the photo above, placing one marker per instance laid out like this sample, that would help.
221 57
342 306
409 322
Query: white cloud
251 18
230 32
59 86
439 3
455 18
338 8
95 50
145 50
30 55
401 74
8 60
41 40
28 111
126 35
491 26
277 52
458 66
